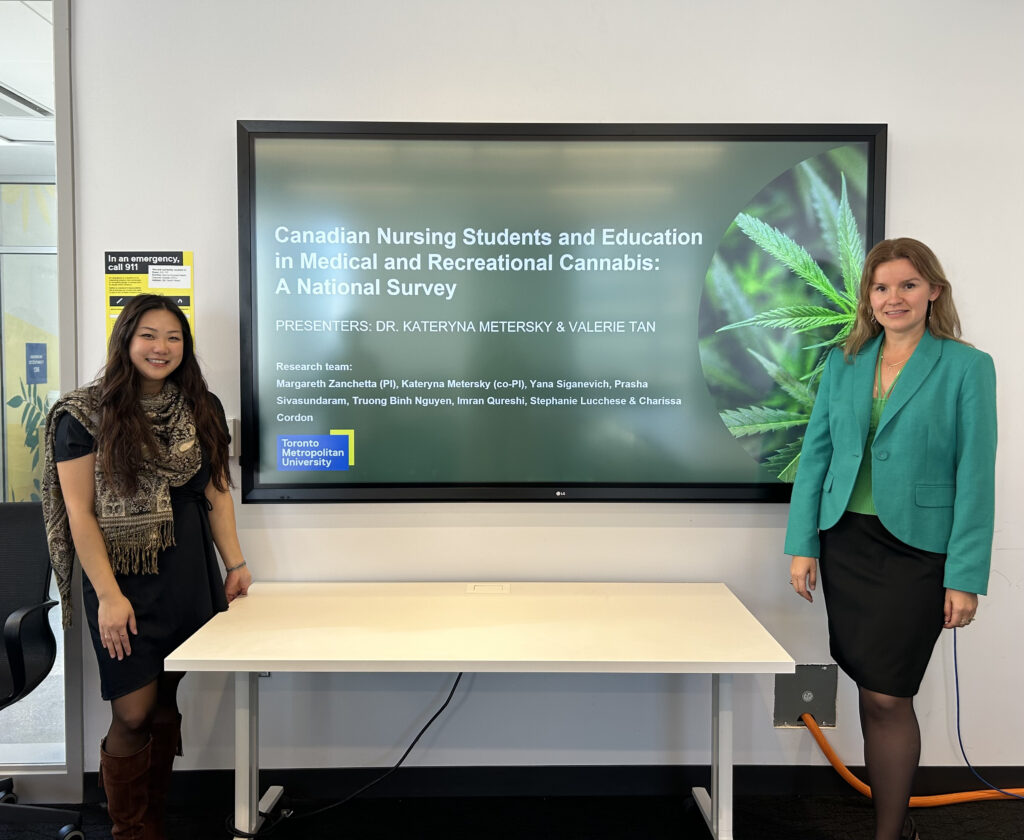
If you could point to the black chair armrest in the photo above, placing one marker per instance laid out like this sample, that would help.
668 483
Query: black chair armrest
15 646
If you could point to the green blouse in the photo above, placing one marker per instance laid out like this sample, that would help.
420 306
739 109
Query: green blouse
861 499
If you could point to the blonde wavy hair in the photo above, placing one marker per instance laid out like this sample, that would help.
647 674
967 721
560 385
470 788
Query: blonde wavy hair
943 320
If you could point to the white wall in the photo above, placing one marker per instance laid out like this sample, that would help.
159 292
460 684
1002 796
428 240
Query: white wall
158 87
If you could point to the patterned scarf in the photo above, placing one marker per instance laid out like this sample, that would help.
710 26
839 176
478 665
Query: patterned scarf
135 528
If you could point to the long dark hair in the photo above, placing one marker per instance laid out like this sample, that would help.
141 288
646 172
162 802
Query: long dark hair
943 320
124 432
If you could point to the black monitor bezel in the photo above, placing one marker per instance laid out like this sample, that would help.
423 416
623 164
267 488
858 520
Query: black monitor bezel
248 131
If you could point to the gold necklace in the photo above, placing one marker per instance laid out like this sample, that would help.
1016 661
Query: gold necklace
885 392
894 364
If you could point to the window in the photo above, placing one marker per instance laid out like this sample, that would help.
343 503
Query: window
28 303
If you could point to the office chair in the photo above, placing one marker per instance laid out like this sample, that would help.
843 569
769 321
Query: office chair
29 648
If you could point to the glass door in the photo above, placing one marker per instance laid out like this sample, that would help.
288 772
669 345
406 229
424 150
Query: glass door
40 736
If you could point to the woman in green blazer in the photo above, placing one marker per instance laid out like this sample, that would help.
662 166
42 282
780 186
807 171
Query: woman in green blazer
894 495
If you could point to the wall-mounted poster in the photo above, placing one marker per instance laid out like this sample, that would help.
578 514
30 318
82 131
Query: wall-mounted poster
131 273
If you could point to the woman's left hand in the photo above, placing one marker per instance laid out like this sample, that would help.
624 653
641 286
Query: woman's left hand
236 584
960 608
225 537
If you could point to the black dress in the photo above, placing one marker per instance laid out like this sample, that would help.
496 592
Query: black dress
169 606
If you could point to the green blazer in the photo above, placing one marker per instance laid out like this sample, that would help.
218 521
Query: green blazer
932 459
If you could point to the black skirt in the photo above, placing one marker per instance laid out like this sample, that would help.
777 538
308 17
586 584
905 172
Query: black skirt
885 602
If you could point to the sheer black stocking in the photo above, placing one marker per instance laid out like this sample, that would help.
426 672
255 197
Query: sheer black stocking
132 714
167 696
892 749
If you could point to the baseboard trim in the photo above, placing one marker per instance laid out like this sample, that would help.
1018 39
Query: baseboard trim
555 781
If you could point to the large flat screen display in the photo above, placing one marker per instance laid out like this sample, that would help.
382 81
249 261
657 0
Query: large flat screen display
542 312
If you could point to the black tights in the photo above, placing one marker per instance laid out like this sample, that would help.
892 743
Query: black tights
892 749
132 715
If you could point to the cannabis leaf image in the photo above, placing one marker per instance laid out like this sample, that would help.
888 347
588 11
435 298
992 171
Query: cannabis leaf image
788 341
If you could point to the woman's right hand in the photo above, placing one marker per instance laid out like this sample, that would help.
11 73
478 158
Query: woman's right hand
116 618
117 624
803 576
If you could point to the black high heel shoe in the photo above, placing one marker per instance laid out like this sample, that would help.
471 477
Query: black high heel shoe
910 830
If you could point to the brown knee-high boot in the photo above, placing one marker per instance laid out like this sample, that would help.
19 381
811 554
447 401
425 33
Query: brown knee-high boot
166 745
125 780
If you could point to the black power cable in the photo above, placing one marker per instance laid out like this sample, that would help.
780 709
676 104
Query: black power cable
266 829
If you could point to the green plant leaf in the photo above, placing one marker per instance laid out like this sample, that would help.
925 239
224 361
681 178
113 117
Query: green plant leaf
758 419
824 203
783 462
819 365
718 371
727 292
798 390
838 338
15 401
787 252
801 318
851 246
831 320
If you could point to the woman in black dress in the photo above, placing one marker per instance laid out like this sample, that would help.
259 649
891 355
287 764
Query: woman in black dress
136 482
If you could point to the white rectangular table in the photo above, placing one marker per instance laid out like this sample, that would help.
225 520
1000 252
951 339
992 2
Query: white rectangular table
593 628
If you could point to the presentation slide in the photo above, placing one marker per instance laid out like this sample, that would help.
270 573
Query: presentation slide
539 311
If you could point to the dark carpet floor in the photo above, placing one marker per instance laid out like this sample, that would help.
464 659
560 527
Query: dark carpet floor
574 818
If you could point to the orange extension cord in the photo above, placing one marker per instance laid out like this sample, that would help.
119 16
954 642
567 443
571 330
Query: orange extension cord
915 801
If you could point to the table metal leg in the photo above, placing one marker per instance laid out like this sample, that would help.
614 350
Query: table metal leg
717 808
247 759
248 804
